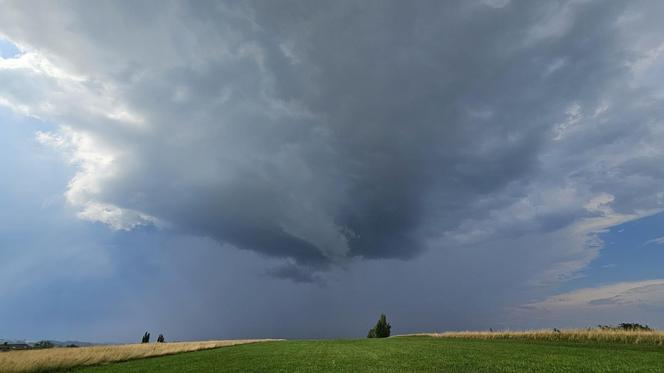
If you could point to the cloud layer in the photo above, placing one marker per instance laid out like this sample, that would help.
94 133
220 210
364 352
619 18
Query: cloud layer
608 304
324 133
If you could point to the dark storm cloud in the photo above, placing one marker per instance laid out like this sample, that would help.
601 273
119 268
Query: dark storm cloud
318 132
295 273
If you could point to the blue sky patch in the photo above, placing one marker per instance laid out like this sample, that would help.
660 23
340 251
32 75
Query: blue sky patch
631 252
7 49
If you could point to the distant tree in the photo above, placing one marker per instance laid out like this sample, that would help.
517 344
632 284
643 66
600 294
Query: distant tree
146 338
160 339
44 344
381 330
626 326
634 326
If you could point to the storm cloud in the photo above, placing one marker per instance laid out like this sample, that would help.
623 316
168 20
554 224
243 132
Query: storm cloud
487 134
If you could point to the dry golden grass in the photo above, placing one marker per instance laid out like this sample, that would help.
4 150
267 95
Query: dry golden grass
61 358
653 337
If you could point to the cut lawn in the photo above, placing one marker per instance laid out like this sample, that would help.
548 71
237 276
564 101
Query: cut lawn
404 354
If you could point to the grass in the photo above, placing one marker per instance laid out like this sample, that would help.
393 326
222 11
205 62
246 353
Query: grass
652 337
406 354
64 358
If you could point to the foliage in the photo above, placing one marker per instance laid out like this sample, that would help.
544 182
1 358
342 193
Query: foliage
44 344
626 326
146 338
381 330
161 339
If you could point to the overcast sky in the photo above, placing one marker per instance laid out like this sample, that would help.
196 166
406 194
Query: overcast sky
295 168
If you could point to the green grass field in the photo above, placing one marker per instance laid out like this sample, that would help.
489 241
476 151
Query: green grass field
404 354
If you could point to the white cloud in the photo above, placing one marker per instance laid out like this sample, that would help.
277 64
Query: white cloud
496 3
650 59
574 116
611 304
115 217
601 204
658 241
649 292
554 22
554 66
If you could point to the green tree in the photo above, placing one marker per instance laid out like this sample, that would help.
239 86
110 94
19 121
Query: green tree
44 344
381 330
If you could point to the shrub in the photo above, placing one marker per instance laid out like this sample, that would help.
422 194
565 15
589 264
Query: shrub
634 326
160 339
381 330
626 326
44 344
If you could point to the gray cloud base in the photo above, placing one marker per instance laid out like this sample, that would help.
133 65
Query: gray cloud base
322 133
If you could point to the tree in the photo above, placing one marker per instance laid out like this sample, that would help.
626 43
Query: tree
634 326
381 330
626 326
44 344
160 339
146 338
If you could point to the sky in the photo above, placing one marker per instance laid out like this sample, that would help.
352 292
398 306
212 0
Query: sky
293 169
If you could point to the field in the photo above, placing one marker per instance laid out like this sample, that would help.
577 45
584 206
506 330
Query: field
541 351
651 337
54 358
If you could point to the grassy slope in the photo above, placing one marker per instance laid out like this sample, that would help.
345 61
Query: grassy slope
406 354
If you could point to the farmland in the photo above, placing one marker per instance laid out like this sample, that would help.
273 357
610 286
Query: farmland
543 351
407 354
64 358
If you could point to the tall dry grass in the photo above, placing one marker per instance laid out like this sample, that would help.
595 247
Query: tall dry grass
652 337
62 358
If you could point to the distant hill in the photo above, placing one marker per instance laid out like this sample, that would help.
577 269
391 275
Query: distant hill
56 343
77 343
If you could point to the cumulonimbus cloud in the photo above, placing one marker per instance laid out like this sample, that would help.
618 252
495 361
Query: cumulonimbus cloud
345 130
